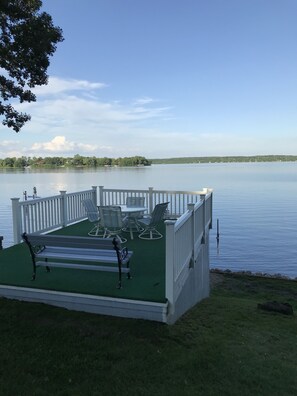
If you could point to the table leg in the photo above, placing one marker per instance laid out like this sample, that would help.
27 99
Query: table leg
132 226
131 232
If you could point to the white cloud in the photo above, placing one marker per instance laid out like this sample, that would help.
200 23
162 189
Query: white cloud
9 149
6 143
143 101
57 86
84 107
60 145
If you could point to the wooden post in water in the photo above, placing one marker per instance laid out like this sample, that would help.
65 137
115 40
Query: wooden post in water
218 237
218 231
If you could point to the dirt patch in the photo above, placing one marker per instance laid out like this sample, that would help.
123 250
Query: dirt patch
215 279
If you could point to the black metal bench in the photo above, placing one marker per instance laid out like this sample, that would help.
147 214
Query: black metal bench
78 253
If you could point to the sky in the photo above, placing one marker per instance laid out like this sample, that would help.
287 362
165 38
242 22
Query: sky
165 78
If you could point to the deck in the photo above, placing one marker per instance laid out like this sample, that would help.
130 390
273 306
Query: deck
143 296
170 275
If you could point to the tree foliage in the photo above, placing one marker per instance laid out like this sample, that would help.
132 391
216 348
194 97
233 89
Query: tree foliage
27 39
76 161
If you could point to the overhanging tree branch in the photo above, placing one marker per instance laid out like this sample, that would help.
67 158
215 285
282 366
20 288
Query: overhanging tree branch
27 39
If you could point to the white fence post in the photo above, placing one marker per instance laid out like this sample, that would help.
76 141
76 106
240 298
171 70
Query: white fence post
203 193
94 195
151 199
169 274
16 220
191 207
63 208
101 201
202 198
211 203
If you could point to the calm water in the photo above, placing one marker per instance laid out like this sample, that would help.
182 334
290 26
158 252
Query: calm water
254 202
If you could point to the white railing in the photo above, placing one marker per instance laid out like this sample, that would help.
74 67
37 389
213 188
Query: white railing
45 214
178 200
186 259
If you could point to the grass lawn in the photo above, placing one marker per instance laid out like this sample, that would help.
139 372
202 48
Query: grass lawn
223 346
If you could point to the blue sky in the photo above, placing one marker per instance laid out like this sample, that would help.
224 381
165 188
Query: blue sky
166 78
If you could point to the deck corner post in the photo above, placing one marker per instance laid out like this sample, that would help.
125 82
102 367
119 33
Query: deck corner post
211 206
94 194
150 199
203 193
16 219
169 266
101 200
204 220
63 208
191 208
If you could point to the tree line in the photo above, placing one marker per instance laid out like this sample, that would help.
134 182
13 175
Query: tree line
215 159
82 161
76 161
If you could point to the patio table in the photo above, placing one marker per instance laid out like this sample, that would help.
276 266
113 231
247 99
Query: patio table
130 211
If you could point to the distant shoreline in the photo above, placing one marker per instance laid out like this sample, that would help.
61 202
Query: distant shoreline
225 159
137 161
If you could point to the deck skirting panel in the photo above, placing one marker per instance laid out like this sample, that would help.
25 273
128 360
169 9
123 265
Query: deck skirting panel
134 309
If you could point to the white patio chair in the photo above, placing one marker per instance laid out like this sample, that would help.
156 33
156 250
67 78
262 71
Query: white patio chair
112 222
151 222
93 217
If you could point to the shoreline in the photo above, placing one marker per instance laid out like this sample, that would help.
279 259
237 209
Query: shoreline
250 273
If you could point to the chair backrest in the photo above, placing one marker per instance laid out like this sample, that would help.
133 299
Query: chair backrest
158 213
111 217
135 201
91 210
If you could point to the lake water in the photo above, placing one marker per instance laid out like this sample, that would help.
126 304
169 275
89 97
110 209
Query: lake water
255 204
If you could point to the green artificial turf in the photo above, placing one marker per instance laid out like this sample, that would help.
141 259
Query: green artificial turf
147 270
